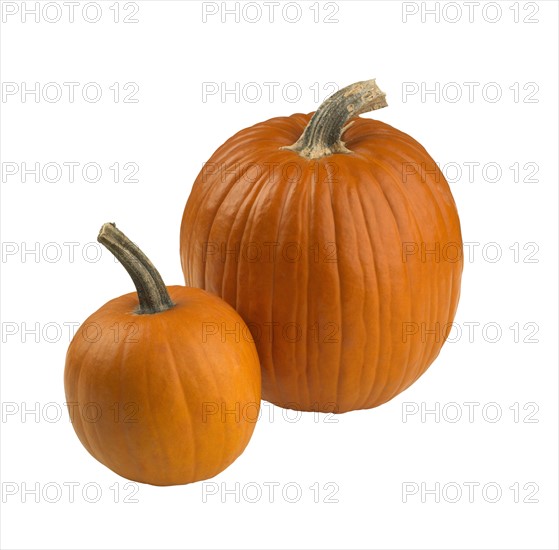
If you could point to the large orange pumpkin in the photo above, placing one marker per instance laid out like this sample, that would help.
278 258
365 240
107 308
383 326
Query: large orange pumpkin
158 390
343 257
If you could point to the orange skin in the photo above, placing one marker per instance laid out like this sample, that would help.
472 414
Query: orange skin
176 395
355 292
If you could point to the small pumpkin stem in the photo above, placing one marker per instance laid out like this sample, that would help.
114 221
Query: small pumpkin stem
152 292
323 134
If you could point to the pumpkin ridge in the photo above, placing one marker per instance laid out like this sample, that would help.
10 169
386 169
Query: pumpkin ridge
439 222
449 317
85 389
379 308
282 210
187 231
377 389
365 393
148 381
295 202
387 171
77 385
304 231
247 205
302 376
441 213
422 363
225 460
359 402
214 217
426 310
340 291
120 356
429 352
353 246
174 368
201 194
261 195
313 359
414 226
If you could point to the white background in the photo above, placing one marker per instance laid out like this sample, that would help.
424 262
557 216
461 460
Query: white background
365 456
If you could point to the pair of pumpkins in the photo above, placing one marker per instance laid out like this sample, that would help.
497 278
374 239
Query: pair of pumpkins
317 292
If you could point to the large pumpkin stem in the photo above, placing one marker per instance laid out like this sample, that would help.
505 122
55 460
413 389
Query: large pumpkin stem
323 134
151 289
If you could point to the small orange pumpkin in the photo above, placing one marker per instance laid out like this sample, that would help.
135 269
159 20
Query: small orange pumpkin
328 250
160 389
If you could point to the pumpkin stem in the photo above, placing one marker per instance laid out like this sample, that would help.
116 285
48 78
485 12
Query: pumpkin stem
152 292
323 134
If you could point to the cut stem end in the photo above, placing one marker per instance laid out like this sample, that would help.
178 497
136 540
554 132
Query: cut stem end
323 134
152 292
